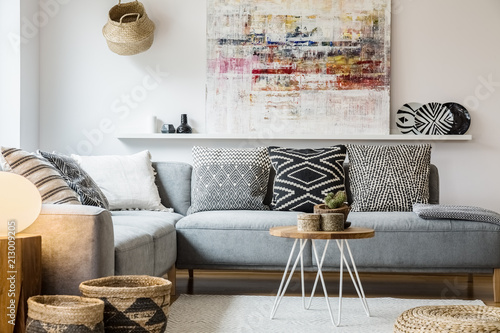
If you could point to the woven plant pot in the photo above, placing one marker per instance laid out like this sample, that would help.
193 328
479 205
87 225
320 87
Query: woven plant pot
132 303
449 319
64 314
129 30
323 209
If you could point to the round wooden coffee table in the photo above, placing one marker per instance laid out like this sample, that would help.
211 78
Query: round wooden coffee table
341 238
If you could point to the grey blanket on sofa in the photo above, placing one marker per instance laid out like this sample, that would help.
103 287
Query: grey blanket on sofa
469 213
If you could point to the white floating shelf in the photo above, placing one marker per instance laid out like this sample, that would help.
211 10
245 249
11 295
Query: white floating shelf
360 137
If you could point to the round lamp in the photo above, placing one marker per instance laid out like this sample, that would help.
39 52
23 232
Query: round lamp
20 203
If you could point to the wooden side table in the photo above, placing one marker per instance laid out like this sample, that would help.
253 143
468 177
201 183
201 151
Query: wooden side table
20 278
341 238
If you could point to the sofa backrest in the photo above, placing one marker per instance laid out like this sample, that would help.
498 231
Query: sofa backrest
174 185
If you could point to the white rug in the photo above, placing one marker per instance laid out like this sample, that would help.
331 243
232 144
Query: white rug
242 314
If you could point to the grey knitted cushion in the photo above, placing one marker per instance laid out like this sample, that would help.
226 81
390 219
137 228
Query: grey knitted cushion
469 213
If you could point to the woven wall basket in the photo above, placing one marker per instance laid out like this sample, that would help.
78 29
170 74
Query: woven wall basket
64 314
133 303
129 30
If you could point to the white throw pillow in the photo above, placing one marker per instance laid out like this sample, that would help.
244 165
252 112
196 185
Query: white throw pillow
127 181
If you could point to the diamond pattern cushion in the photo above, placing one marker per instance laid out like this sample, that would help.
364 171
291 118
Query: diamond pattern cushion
79 180
305 176
388 178
40 172
229 179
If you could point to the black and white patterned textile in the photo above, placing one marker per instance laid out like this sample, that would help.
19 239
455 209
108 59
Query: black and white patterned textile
229 179
388 178
453 212
305 176
78 180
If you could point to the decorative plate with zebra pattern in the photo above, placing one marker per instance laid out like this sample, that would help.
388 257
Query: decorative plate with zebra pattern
405 118
433 119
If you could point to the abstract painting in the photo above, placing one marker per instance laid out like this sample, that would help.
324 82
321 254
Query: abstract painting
298 66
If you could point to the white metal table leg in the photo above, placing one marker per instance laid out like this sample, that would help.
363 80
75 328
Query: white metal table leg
302 276
320 265
320 274
357 283
282 289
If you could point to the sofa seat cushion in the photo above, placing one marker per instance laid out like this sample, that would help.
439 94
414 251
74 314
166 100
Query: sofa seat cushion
409 222
235 239
134 250
160 227
405 242
238 219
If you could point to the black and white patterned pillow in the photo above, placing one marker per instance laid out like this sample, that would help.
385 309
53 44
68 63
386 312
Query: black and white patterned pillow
453 212
388 178
78 180
305 176
229 179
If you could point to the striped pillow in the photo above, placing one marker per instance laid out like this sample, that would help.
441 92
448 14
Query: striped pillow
46 178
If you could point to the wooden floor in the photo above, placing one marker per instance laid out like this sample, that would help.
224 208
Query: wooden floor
375 285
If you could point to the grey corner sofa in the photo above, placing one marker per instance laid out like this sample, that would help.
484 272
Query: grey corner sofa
83 242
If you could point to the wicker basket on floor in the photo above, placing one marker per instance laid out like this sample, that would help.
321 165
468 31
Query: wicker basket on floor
449 319
131 302
64 314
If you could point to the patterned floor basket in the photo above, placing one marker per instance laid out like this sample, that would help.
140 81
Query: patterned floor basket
132 303
64 314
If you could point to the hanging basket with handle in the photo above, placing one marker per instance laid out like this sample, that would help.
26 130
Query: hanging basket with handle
129 30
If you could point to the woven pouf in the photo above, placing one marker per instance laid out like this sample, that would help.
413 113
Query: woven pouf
64 314
132 303
449 318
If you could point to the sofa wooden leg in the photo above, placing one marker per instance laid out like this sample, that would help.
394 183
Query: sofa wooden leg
496 285
172 277
191 274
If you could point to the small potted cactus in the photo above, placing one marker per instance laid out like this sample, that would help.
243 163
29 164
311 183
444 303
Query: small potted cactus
334 203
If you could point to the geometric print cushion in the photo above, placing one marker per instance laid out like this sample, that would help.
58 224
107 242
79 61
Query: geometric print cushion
452 212
79 180
52 187
229 179
305 176
388 178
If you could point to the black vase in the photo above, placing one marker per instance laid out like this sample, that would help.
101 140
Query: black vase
184 127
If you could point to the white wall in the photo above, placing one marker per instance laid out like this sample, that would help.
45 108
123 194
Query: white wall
19 68
441 51
10 77
30 74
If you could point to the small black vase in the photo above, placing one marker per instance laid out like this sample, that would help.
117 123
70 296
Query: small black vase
184 127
